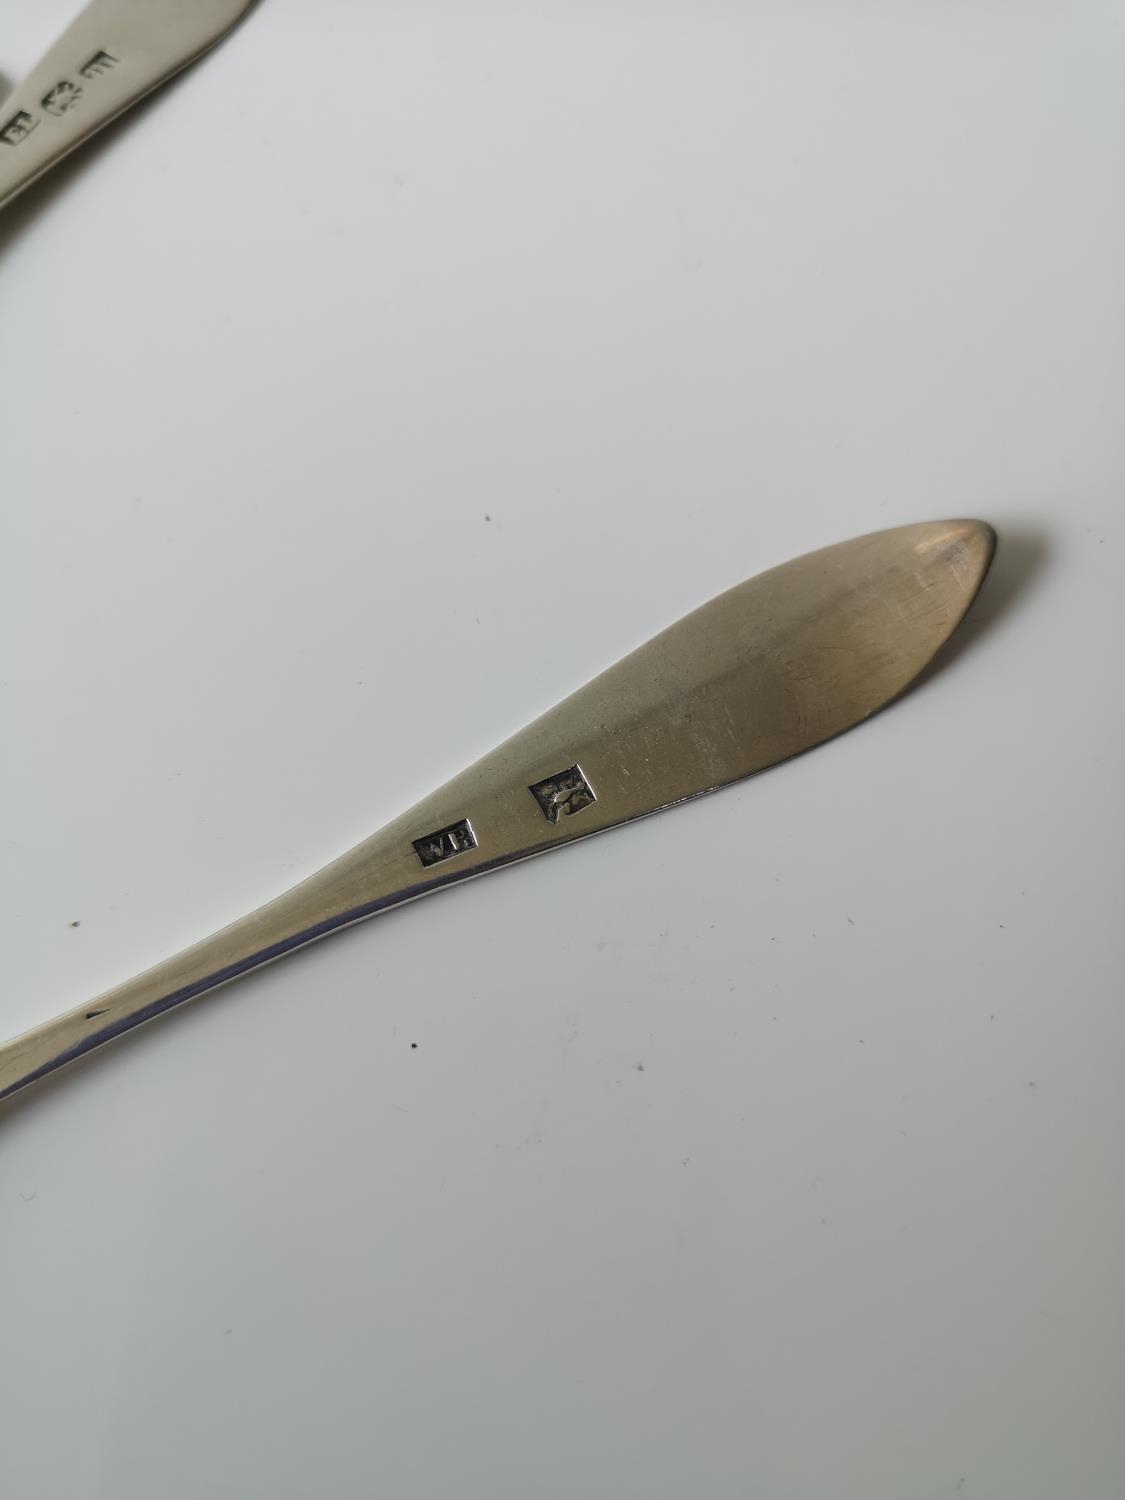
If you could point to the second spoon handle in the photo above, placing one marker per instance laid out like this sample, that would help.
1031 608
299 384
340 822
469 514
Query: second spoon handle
114 53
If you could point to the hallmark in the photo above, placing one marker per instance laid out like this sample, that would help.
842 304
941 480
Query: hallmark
57 101
62 97
563 795
18 128
445 843
100 63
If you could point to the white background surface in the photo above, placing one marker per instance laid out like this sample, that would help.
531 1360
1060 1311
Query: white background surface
382 380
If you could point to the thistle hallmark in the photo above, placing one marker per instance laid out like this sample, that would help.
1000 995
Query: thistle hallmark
62 97
563 795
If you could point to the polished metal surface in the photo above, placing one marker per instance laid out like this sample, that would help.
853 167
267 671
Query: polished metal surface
761 673
114 53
